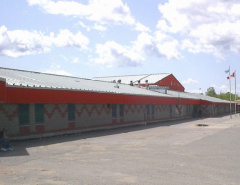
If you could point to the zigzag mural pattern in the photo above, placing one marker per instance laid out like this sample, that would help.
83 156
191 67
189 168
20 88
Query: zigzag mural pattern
205 108
179 108
58 109
92 109
161 108
134 108
9 116
214 109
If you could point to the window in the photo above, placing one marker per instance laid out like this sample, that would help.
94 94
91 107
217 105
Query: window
148 109
71 112
153 110
114 111
39 113
23 114
121 111
170 107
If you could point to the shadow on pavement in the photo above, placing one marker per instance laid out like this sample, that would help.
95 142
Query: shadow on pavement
20 147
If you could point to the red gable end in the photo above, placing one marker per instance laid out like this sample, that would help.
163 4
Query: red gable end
172 83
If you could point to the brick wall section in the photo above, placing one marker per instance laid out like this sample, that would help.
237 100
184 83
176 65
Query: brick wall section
56 117
88 115
162 112
9 118
96 115
134 113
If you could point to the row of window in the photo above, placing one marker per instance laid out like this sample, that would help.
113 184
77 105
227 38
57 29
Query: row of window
114 111
24 115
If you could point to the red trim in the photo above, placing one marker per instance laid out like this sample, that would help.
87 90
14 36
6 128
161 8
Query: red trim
71 125
56 107
2 91
114 121
10 115
24 130
91 110
40 128
28 95
121 120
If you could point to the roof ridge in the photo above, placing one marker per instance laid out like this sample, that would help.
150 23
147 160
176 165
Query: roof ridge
131 75
35 72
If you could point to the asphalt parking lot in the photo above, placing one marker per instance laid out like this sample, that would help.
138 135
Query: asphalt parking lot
168 153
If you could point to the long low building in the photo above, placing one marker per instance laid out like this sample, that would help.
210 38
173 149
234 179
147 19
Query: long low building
33 103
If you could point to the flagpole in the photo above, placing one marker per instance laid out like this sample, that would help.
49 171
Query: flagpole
230 94
235 75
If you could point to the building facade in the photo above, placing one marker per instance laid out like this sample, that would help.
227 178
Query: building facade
36 104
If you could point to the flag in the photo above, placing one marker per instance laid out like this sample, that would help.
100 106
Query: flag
227 71
232 75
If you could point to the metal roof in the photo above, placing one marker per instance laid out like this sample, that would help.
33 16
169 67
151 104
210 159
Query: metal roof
152 78
195 96
43 80
29 79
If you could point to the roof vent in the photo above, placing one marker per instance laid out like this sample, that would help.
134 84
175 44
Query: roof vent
131 83
146 82
117 82
139 83
117 86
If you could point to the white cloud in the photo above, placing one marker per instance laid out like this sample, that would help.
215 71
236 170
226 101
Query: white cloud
189 81
99 27
88 28
205 26
114 11
159 45
113 54
140 27
18 43
62 7
102 12
96 26
197 91
75 60
67 39
223 89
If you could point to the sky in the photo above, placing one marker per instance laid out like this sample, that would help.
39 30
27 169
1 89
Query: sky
195 40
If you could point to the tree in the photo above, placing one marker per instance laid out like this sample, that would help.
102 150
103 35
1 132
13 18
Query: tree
211 92
224 96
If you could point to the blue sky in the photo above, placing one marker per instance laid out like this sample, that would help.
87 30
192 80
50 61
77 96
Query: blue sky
195 40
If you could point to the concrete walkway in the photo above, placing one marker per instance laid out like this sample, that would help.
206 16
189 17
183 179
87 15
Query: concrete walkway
169 153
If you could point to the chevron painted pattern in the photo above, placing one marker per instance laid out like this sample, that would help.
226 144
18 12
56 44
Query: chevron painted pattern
9 114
